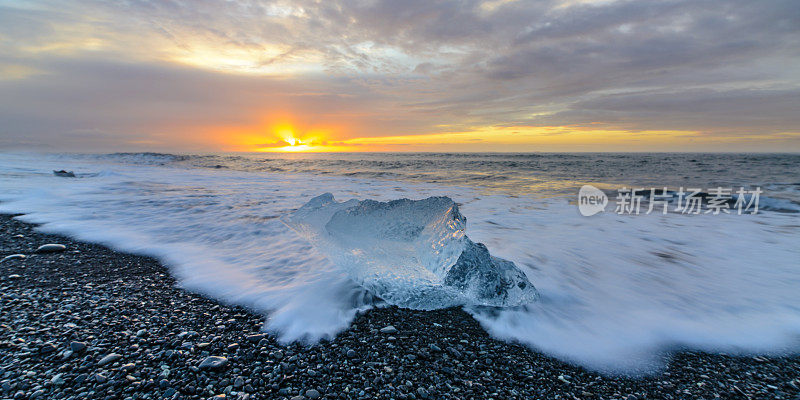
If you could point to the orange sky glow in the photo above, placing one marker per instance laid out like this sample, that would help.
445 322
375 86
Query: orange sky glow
284 137
306 76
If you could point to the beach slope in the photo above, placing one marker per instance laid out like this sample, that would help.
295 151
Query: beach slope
89 322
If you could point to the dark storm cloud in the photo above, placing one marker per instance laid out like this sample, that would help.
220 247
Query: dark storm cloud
402 67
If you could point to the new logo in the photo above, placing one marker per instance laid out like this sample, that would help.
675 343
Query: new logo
591 200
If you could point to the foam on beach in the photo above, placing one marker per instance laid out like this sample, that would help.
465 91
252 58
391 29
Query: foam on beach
616 291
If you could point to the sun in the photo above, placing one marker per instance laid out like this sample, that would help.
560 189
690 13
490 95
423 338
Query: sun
287 137
295 145
286 133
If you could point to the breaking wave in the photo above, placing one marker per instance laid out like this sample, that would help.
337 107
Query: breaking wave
615 292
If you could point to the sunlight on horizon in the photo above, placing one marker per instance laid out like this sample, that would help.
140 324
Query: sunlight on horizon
287 137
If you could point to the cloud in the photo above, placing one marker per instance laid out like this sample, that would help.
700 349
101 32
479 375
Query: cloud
165 73
279 143
172 106
724 111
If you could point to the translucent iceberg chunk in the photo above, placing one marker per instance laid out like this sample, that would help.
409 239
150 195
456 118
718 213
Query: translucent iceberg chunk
411 253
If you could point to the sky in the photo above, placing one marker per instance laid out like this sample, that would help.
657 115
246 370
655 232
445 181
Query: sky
387 75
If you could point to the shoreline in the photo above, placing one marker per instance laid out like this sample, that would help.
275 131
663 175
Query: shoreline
90 322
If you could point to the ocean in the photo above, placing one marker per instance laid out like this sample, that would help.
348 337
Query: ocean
616 292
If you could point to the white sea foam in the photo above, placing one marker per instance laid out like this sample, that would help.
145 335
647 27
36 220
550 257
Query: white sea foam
616 292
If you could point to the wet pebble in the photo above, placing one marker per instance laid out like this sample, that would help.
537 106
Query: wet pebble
389 329
13 257
213 363
109 358
77 347
51 248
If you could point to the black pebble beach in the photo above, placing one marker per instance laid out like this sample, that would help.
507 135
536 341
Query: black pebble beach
91 323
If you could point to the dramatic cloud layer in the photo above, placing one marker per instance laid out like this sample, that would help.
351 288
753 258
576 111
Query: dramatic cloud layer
422 75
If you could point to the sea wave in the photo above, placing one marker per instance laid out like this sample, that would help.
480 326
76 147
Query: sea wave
617 292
